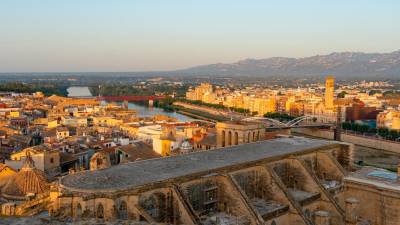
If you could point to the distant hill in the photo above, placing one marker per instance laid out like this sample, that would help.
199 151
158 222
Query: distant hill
343 64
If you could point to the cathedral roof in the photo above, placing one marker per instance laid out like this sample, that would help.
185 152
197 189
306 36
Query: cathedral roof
145 172
27 180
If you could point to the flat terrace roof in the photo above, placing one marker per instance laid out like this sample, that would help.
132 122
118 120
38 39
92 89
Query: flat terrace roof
140 173
380 178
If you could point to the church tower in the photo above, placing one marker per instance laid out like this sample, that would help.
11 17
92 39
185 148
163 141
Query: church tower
329 92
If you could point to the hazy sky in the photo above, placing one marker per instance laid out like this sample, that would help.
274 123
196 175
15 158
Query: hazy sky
138 35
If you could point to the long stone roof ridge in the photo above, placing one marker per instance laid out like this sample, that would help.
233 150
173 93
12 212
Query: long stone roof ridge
136 174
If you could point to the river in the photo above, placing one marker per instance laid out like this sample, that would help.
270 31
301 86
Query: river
75 91
142 111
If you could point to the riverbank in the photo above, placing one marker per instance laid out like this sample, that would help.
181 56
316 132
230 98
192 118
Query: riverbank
145 111
210 114
201 115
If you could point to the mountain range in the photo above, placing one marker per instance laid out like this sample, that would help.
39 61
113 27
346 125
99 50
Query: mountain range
342 64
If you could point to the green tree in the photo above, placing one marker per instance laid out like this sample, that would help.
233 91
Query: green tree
346 125
342 94
383 132
372 92
364 128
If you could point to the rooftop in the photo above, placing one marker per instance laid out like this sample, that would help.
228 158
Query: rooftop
138 151
377 177
136 174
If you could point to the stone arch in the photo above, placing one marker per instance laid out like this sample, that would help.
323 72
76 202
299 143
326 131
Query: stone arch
122 210
223 138
248 137
100 211
236 138
258 135
229 138
154 205
78 210
100 160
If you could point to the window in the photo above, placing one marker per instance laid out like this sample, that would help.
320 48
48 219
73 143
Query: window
229 138
78 210
211 195
99 161
236 138
223 138
51 160
122 211
100 211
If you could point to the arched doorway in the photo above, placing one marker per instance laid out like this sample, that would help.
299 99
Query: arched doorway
248 138
223 139
236 138
229 138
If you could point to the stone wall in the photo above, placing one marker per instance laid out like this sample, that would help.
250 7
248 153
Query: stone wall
358 140
380 206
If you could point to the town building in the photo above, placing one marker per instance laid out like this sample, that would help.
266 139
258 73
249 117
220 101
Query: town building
329 92
238 132
389 119
358 111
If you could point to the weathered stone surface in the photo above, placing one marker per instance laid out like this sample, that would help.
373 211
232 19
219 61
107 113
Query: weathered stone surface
140 173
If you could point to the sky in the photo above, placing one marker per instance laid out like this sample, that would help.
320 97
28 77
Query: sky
150 35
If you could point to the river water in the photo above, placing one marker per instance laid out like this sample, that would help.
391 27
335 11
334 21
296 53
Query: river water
142 111
75 91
